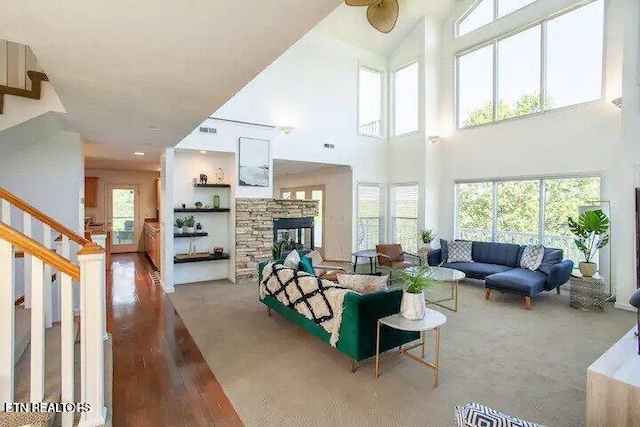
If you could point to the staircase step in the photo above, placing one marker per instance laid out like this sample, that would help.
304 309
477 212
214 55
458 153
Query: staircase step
23 333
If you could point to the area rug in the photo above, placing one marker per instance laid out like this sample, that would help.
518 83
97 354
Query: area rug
530 364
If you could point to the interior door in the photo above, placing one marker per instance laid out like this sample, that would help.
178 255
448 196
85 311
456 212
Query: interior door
123 218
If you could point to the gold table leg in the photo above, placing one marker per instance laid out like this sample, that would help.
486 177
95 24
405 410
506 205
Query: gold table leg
377 370
437 364
453 297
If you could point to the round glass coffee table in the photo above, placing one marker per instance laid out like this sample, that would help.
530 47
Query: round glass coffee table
431 320
448 276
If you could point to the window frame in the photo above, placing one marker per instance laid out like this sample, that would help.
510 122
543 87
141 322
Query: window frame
308 189
383 86
383 216
392 103
496 15
391 210
543 65
541 198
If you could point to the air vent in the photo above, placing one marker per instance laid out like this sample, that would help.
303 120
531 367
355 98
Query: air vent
205 129
329 146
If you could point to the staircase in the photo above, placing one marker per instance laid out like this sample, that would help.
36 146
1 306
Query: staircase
35 92
40 262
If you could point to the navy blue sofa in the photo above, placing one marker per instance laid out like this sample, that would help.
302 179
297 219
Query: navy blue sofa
498 264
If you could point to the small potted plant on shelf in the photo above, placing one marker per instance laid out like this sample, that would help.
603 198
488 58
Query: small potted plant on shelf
414 281
428 236
178 225
198 227
198 205
592 233
190 223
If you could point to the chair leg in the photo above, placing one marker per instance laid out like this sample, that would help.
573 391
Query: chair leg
558 290
269 311
354 365
487 294
527 303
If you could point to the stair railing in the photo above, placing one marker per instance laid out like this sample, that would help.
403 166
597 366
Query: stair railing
90 273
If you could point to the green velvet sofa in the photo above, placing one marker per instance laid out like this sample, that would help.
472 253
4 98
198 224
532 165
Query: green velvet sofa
359 318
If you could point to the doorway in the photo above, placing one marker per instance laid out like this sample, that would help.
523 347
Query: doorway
123 218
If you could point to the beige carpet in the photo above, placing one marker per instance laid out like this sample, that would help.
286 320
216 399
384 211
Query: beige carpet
531 364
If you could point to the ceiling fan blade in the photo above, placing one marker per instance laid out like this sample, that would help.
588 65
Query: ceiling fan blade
361 2
383 15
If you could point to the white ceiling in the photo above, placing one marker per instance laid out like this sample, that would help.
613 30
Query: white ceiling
121 67
349 24
290 167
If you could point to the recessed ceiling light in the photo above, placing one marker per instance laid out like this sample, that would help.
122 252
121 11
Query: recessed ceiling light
154 128
203 151
138 153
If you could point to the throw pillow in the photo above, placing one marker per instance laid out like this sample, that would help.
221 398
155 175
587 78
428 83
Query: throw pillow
459 251
476 415
363 284
292 260
532 257
444 250
306 266
315 257
551 258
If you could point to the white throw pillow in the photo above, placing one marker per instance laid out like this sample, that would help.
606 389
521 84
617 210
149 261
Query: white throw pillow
292 260
459 251
532 257
363 284
316 258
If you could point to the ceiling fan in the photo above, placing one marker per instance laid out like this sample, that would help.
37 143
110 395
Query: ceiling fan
381 14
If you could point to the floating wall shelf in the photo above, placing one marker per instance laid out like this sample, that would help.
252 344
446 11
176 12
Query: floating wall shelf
198 234
212 257
212 185
195 210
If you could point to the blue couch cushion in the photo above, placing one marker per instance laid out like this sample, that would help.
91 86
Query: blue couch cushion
477 270
551 257
519 281
496 253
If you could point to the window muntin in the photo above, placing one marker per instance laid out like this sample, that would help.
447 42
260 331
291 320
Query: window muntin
485 12
370 83
528 211
404 213
562 82
405 99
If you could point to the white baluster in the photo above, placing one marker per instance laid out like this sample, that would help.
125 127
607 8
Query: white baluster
5 212
7 321
92 306
26 230
101 240
67 338
37 330
48 300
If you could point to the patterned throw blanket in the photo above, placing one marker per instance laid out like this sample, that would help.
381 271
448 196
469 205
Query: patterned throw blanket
316 299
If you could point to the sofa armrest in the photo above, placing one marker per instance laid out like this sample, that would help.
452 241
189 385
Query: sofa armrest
560 274
434 257
405 254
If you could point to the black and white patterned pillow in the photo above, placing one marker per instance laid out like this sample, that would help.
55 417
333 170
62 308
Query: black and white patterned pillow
476 415
459 251
532 257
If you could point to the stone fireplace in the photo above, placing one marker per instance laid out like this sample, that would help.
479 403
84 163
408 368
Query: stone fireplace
255 229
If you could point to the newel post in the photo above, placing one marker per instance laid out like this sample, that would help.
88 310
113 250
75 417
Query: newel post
92 308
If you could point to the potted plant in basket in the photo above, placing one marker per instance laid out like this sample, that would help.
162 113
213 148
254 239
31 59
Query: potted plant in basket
592 232
414 281
428 236
178 225
190 223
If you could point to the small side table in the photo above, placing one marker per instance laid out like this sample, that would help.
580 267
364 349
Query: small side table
587 293
431 320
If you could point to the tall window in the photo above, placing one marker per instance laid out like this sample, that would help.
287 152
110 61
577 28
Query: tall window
371 208
310 193
404 212
554 64
484 12
524 211
369 102
405 99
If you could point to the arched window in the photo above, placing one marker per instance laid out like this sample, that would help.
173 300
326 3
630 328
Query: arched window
484 12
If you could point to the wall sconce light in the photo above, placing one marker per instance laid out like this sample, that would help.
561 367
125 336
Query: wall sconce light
286 129
434 139
617 102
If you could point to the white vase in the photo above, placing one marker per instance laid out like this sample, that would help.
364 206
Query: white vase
190 230
177 230
412 306
588 269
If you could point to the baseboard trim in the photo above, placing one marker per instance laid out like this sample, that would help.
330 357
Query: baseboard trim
624 306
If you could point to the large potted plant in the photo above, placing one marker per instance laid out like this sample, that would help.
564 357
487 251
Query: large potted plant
277 249
428 236
592 233
414 281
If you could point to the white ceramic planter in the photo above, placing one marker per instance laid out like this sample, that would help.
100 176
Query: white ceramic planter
191 230
588 269
177 230
412 306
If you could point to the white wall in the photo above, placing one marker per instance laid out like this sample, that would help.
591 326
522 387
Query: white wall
338 209
581 139
146 182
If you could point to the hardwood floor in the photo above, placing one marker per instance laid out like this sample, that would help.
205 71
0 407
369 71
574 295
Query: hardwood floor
160 378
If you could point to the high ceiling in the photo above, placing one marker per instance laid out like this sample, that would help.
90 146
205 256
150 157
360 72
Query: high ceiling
349 24
139 75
